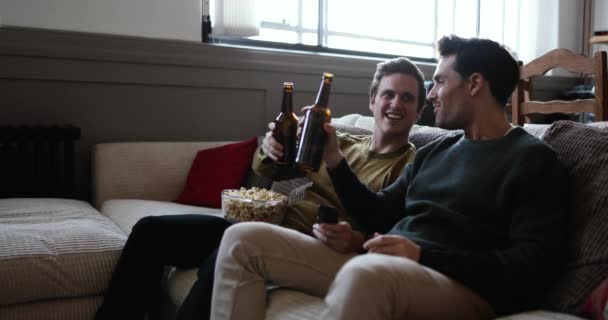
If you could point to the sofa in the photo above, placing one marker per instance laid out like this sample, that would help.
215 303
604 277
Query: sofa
132 180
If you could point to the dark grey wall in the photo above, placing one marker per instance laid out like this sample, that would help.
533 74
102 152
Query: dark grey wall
120 88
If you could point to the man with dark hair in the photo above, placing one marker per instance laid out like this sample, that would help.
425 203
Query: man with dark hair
473 228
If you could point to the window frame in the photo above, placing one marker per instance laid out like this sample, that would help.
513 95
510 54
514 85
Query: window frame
323 33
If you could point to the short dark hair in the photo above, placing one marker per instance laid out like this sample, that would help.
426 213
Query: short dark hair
398 65
486 57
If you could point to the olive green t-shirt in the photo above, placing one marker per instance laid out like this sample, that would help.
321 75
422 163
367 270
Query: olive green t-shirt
376 170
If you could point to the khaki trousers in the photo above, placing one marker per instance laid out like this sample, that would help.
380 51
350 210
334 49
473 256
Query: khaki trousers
368 286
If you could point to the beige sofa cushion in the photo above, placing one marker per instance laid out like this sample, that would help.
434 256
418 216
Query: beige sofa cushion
356 120
54 248
540 315
126 212
143 170
179 283
285 304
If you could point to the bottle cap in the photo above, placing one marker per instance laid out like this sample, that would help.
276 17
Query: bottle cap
288 86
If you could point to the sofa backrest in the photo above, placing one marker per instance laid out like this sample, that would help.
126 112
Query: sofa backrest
143 170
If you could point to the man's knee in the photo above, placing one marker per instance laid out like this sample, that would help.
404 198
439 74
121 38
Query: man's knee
246 236
245 232
370 269
241 241
360 268
146 226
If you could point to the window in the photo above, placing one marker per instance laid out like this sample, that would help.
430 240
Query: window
381 27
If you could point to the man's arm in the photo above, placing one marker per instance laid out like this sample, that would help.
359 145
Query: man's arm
374 212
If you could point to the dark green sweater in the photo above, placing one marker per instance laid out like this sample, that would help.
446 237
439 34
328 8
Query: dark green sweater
489 214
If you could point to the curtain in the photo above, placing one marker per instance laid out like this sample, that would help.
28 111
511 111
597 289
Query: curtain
545 25
235 18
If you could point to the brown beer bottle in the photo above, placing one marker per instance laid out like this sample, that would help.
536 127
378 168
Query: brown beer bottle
286 127
313 136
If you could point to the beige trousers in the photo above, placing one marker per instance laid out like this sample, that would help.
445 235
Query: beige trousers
368 286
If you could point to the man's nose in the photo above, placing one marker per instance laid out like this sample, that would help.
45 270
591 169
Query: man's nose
431 95
396 101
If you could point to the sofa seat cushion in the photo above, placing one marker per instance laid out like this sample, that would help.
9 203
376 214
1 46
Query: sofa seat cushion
126 212
285 304
54 248
179 283
540 315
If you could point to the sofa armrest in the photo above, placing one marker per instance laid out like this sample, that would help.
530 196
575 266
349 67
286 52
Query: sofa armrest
143 170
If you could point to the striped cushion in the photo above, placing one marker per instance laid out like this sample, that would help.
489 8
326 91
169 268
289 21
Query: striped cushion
584 151
54 248
78 308
537 130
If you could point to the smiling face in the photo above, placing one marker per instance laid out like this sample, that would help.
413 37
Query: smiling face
449 96
395 106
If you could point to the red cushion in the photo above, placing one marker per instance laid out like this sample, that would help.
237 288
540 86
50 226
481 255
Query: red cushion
216 169
596 305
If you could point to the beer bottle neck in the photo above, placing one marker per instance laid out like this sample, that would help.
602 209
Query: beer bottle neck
323 96
287 105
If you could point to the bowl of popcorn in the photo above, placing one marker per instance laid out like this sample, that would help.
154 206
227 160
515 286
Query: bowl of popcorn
255 204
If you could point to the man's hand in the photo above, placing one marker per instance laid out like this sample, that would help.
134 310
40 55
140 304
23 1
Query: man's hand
393 245
331 154
271 147
339 236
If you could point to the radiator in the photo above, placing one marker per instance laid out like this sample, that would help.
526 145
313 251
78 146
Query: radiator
37 161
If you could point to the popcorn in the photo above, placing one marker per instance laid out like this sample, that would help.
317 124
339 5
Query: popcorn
255 204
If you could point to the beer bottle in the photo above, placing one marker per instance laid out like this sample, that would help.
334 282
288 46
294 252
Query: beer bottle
286 127
313 136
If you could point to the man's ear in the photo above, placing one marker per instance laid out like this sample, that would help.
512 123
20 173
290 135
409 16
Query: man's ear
476 83
371 103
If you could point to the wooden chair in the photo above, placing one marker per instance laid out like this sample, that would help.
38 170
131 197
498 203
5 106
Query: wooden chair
572 62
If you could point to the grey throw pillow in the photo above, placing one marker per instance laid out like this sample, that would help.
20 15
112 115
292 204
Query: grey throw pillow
423 135
583 150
